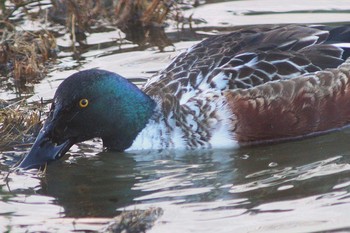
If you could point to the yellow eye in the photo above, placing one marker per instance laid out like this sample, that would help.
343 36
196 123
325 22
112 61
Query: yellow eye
83 103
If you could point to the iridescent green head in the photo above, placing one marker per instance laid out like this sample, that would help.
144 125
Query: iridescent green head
88 104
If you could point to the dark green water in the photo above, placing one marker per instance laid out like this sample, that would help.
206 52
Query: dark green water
301 186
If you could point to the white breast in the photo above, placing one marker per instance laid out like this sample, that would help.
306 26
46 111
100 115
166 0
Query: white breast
156 136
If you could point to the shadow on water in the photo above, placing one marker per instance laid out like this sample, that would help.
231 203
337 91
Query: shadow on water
94 187
244 181
100 185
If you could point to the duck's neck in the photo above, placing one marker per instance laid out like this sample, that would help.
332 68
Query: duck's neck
134 110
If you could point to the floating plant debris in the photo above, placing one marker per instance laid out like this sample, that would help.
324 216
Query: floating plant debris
134 221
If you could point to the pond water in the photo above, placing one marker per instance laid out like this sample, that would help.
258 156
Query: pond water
300 186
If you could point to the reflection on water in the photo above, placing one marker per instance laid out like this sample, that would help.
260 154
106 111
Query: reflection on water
91 188
296 185
299 186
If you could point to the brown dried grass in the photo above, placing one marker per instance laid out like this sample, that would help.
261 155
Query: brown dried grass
25 54
147 13
19 123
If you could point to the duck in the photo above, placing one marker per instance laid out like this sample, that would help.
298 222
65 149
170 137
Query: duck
254 85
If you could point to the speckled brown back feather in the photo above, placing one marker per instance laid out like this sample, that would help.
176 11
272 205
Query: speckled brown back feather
247 57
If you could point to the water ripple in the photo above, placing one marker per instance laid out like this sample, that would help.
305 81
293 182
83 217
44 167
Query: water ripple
279 176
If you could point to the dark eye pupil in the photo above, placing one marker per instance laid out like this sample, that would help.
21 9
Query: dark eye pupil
83 103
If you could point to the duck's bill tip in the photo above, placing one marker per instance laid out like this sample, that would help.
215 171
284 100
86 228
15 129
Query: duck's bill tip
44 151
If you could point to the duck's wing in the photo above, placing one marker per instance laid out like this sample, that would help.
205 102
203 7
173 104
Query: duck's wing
305 105
245 58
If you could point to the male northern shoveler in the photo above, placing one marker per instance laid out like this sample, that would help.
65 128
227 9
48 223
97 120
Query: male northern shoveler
254 85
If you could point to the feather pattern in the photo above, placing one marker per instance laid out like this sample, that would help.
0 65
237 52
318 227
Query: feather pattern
309 104
243 87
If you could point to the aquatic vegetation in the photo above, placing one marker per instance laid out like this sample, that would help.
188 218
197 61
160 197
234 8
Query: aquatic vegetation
19 123
144 14
143 21
23 55
135 220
